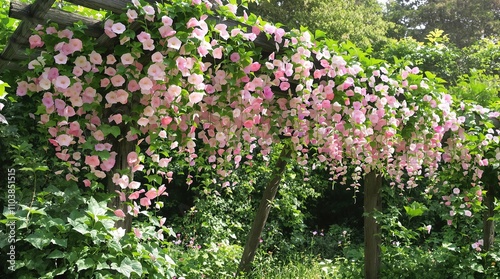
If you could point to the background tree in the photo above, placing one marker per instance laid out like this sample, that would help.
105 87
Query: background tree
358 21
464 21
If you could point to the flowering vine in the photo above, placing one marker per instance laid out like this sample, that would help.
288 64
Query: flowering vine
182 83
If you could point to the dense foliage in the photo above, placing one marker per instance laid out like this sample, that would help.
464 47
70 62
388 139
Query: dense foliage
202 104
360 22
464 21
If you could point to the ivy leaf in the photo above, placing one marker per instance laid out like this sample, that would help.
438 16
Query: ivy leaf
39 239
128 266
96 209
319 34
83 264
56 254
59 241
415 209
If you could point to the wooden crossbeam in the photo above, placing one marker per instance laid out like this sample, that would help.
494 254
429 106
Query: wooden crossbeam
21 35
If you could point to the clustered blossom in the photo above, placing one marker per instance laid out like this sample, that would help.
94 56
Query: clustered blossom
219 111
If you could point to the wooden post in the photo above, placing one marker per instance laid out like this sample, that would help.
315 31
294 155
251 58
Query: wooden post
122 148
372 202
488 223
263 211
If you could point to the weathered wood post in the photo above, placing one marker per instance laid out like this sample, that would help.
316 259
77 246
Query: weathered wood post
263 211
372 203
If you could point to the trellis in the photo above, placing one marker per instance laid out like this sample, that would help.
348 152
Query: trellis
41 11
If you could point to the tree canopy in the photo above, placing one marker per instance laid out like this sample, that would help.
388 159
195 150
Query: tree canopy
358 21
464 21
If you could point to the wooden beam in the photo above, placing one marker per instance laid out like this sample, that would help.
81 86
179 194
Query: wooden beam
115 6
23 32
21 11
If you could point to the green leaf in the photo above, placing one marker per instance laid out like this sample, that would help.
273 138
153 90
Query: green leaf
60 241
429 75
127 267
319 34
83 264
96 209
477 267
39 239
42 168
56 254
415 209
449 246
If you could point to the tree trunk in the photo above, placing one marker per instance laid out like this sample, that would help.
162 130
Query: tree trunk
372 202
488 223
263 211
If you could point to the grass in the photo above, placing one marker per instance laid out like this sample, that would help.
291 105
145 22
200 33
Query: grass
306 267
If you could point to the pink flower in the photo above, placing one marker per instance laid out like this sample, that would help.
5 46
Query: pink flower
161 191
118 28
135 195
133 86
166 31
143 36
193 22
174 43
145 202
268 93
64 140
148 44
121 96
166 120
149 10
137 233
75 45
217 53
47 100
119 213
195 97
235 57
132 159
60 58
248 124
127 59
284 85
146 84
156 72
134 185
92 161
98 135
35 41
86 182
117 80
157 57
358 116
62 82
132 15
151 194
117 118
143 121
111 98
110 59
195 79
167 21
174 90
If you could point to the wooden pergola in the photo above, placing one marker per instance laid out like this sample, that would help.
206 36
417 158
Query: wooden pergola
41 11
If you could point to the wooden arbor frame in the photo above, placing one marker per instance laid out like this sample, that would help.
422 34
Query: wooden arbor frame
40 12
